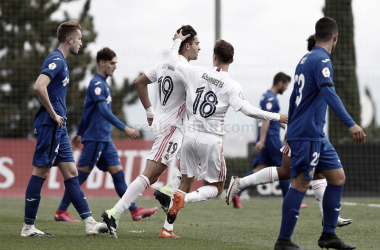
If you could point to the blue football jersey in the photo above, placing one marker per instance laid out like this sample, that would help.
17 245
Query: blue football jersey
95 127
56 68
307 107
269 102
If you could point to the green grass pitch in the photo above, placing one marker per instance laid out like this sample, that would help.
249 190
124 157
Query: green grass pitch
205 225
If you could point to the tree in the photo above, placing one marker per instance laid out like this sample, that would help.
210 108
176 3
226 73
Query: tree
28 35
344 62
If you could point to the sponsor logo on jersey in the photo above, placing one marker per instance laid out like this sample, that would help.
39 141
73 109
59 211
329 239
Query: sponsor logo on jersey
109 99
303 60
241 95
65 81
270 99
212 80
97 83
326 72
269 105
65 68
98 91
55 59
52 66
325 61
35 131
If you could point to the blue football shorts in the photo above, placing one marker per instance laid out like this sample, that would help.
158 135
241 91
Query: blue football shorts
101 154
312 156
270 155
53 146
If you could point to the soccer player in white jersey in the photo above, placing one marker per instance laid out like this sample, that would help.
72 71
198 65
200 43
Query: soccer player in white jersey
167 125
209 93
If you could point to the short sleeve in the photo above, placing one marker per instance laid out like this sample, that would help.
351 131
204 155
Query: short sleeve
98 92
324 72
53 67
151 73
236 98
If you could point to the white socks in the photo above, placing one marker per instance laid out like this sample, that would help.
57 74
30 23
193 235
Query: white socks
319 187
134 191
265 175
175 182
89 219
201 194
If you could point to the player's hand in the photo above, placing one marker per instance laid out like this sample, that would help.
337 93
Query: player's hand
284 118
75 142
180 36
131 133
258 147
150 121
58 119
357 133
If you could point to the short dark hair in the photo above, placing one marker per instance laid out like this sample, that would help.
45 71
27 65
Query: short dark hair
281 77
325 29
187 29
310 42
224 51
105 54
65 29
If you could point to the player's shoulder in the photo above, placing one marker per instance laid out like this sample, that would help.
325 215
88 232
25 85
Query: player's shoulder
97 81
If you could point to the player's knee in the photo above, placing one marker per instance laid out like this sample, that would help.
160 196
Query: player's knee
283 173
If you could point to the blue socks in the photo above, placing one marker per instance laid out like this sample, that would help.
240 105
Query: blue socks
121 186
241 191
77 197
290 212
65 203
331 207
32 199
284 185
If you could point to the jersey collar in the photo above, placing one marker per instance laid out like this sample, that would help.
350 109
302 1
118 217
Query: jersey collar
181 58
217 69
321 49
102 77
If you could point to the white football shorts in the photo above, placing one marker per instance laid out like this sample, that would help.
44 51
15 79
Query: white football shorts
166 146
204 150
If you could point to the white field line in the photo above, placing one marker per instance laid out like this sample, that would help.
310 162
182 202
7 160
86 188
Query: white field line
360 204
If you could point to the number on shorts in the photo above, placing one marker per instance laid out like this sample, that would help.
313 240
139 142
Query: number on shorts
315 160
174 147
210 100
166 86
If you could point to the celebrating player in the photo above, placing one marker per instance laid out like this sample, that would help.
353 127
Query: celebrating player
311 151
94 131
268 138
53 143
209 93
167 124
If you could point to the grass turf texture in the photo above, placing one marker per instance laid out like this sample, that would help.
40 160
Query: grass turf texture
205 225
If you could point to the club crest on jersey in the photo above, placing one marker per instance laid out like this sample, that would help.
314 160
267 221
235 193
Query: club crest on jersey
52 66
65 81
269 105
326 72
98 91
241 95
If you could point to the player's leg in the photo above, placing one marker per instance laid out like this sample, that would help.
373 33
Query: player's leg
332 169
66 165
44 154
302 170
275 159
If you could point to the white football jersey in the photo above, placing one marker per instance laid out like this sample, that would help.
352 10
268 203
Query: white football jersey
209 94
170 106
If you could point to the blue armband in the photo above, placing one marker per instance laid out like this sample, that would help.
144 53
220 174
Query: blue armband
109 116
334 102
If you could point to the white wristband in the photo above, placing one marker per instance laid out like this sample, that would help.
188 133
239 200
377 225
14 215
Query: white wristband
150 112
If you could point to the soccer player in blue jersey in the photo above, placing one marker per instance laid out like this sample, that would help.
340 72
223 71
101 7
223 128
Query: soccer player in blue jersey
53 143
94 131
268 138
311 151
